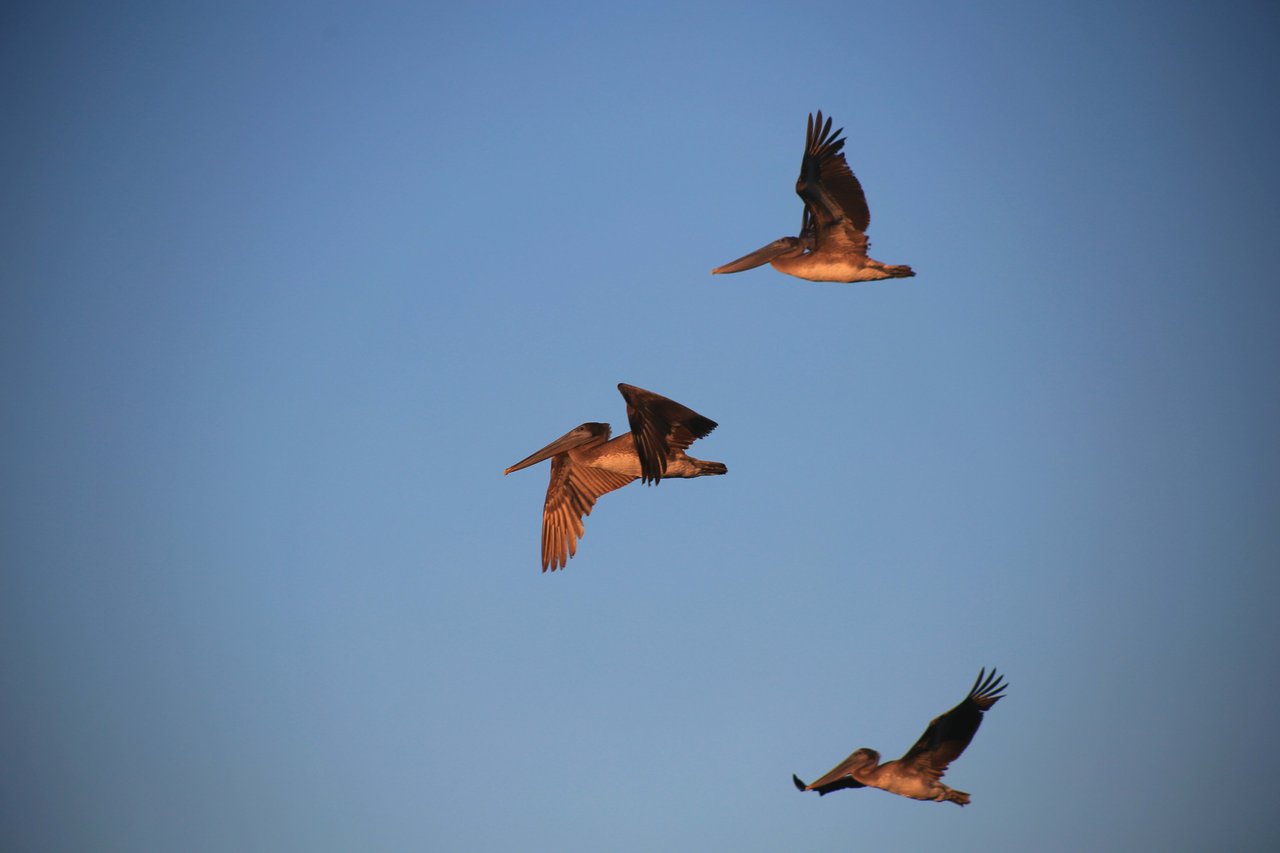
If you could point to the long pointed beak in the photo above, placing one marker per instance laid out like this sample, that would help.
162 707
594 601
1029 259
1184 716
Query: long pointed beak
563 444
760 256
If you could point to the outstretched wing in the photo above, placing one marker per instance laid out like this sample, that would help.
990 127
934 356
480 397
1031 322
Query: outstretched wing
949 734
572 492
826 185
659 426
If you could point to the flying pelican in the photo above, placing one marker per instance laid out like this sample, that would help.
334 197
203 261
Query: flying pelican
917 774
585 464
832 245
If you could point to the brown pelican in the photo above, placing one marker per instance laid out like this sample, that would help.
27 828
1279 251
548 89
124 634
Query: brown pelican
585 464
917 774
832 245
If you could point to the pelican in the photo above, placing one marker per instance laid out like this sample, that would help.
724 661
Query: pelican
585 464
917 774
832 245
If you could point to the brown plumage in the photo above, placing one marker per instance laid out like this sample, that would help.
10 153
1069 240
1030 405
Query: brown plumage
586 464
917 774
832 245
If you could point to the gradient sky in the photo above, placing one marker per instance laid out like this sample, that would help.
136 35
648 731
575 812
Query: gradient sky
285 286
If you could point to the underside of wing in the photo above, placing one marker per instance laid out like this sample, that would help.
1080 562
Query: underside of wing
571 494
659 426
827 186
948 735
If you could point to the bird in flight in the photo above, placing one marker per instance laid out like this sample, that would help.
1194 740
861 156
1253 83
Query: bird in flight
918 774
832 245
586 464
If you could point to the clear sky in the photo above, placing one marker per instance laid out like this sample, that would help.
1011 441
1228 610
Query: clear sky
285 286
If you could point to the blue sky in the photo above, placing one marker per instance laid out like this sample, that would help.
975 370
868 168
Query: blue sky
286 286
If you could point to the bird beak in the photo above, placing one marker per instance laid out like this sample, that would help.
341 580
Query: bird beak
563 444
760 256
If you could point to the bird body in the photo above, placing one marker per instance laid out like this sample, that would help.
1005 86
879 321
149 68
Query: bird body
918 773
619 456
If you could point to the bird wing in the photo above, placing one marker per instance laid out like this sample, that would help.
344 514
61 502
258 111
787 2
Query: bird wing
842 238
949 734
572 492
658 426
827 186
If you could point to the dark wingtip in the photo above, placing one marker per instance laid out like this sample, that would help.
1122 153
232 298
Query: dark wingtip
988 688
800 786
700 426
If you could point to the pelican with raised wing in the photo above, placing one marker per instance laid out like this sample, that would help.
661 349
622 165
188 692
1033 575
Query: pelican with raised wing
832 245
918 774
586 464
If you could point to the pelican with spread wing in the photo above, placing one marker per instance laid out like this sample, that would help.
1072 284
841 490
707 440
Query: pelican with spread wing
918 774
832 245
586 464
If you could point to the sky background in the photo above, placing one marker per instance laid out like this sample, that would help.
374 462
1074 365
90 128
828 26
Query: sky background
285 286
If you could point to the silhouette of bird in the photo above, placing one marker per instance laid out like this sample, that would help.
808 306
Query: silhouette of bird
917 774
833 244
586 464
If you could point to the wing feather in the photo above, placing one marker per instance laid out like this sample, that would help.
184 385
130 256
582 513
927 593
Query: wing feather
659 426
571 494
827 185
949 734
